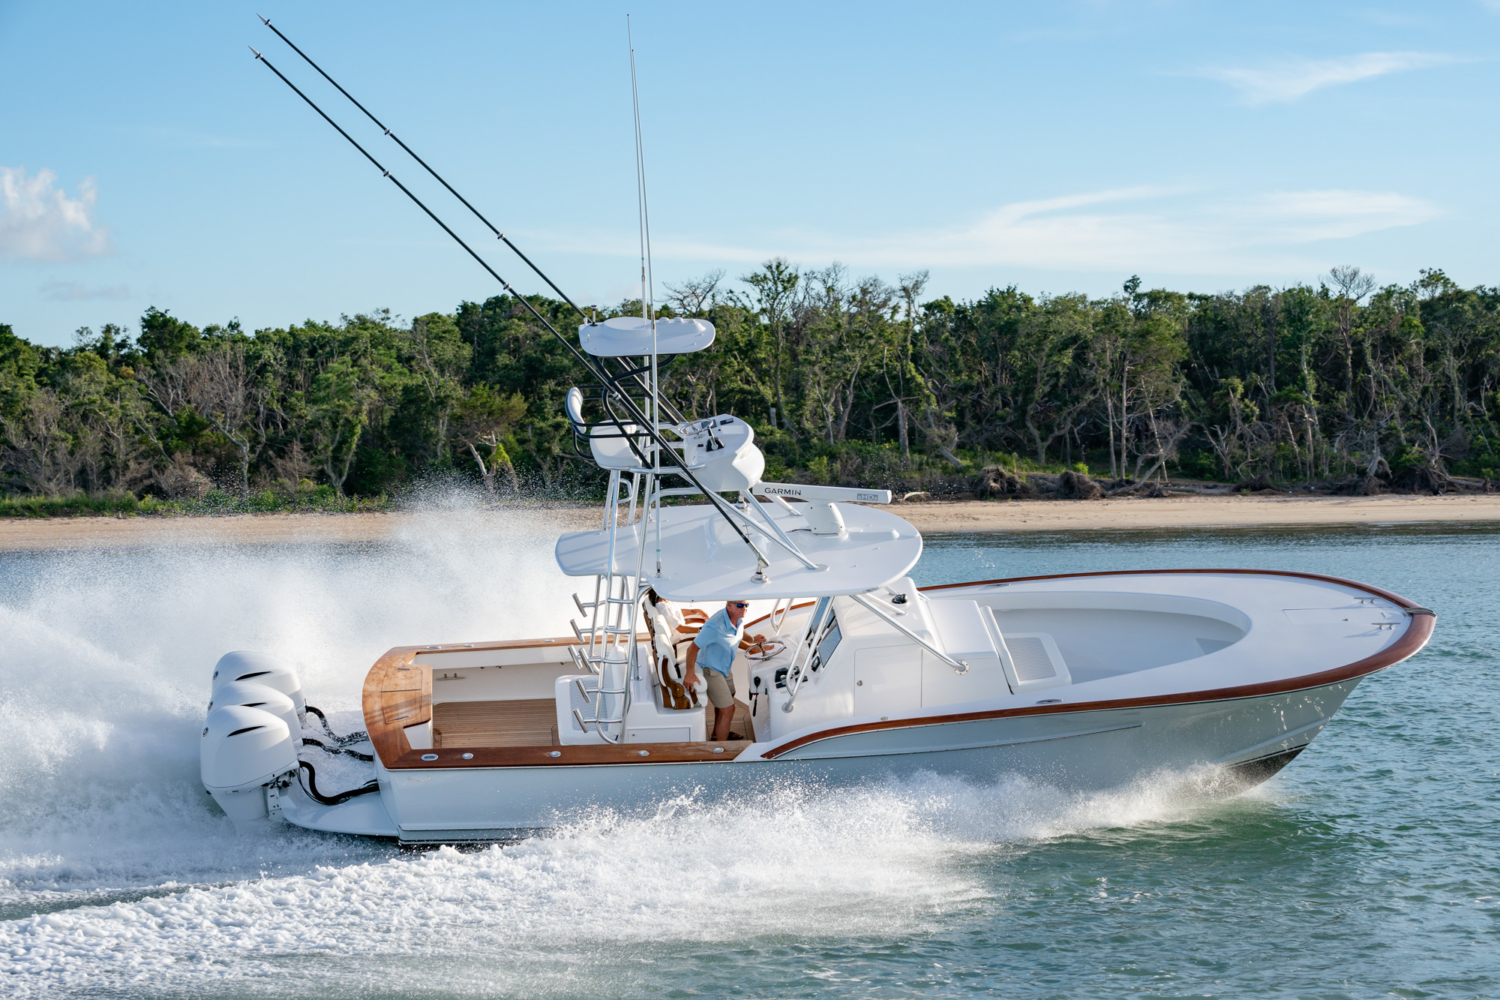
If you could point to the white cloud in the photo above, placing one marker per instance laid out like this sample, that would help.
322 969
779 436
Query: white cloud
1291 80
1130 229
1393 19
38 221
1141 228
74 291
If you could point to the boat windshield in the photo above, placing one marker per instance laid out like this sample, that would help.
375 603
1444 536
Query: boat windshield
828 636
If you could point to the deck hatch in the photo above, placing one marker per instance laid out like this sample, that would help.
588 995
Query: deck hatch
1032 661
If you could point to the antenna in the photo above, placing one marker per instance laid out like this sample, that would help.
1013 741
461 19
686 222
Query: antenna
588 317
648 280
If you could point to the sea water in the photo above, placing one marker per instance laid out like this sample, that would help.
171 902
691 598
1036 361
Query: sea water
1369 867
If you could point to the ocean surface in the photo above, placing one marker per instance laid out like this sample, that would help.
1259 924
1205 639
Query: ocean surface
1368 868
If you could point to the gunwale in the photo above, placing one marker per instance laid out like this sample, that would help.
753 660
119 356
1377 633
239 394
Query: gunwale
395 751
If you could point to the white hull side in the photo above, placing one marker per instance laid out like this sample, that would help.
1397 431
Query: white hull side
1073 751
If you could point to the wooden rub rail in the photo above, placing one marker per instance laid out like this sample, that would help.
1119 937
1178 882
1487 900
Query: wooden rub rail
550 756
1418 631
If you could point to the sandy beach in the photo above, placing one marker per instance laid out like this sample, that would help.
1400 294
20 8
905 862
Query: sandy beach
1197 512
19 534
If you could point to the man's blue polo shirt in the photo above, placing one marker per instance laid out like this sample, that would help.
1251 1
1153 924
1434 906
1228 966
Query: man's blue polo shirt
717 642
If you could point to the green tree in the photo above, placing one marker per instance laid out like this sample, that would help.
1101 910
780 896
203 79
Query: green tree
484 419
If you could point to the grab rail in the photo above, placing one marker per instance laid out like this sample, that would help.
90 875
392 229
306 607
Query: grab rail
797 670
959 666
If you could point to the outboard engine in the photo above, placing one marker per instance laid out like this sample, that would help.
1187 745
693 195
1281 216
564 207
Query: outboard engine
249 694
254 730
243 752
244 665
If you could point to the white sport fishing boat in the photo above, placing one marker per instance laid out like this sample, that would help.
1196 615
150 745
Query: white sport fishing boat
1080 681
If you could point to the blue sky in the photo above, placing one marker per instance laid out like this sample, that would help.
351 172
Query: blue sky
149 160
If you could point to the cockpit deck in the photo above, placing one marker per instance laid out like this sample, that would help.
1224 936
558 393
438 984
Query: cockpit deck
524 722
493 704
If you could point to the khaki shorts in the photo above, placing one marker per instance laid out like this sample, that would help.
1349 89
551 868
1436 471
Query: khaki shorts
720 689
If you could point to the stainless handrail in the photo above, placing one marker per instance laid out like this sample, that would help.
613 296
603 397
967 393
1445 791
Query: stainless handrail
959 666
796 672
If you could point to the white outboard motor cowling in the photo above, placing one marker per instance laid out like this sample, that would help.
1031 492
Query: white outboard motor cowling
252 695
245 665
243 750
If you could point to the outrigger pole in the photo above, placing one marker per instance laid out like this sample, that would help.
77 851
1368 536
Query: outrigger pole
670 409
598 371
381 125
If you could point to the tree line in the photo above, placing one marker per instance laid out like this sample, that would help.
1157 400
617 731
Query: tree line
846 380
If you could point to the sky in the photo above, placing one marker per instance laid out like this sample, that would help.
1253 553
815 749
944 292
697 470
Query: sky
148 159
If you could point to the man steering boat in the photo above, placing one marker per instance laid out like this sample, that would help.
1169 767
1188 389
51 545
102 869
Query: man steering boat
714 647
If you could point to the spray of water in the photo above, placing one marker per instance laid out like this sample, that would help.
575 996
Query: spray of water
106 666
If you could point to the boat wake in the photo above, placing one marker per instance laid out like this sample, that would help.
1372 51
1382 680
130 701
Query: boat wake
118 874
104 675
795 864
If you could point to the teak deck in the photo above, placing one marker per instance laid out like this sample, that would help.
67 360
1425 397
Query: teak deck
527 722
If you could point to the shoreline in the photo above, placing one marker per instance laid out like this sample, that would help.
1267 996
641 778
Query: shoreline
34 534
1199 512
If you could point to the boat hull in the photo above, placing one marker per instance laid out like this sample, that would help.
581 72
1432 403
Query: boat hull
1248 739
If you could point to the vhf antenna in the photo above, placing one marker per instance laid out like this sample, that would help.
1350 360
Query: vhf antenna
648 280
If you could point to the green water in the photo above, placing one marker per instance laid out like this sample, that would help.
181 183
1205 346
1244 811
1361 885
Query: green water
1370 867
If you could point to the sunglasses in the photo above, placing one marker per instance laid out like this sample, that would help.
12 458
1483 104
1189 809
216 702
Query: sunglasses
739 604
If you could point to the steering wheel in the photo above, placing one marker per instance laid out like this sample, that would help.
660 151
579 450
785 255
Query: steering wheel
767 649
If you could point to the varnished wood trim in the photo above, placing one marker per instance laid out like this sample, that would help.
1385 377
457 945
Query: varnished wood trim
1418 631
471 647
388 737
630 753
396 753
398 693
